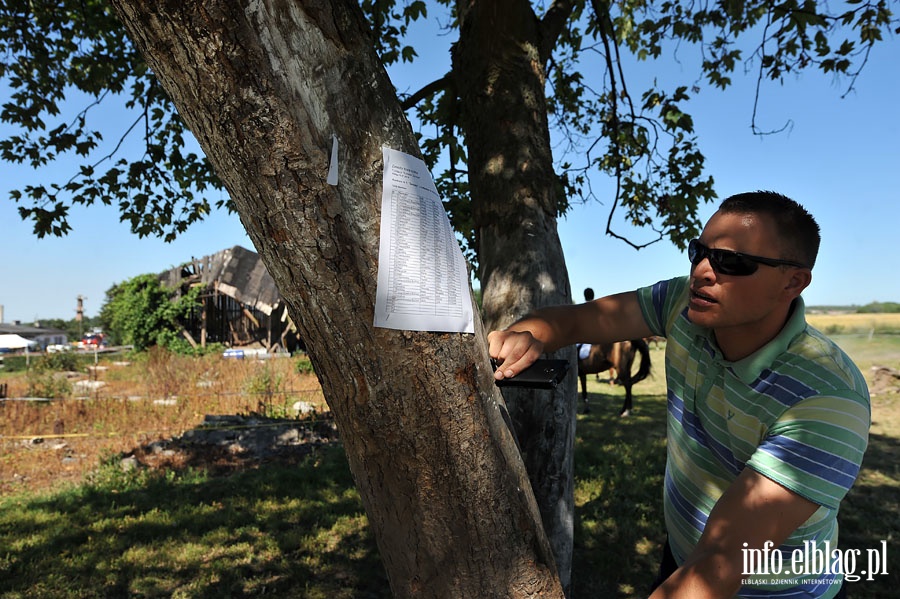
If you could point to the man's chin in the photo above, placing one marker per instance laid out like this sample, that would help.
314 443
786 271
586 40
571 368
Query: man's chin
701 318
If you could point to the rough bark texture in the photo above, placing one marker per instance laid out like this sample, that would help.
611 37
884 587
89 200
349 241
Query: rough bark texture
500 78
263 85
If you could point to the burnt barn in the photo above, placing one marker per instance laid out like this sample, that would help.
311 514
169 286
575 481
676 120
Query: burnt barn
240 305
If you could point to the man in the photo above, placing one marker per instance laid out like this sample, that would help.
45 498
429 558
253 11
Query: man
767 419
584 349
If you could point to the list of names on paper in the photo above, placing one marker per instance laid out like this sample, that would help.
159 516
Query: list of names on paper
422 277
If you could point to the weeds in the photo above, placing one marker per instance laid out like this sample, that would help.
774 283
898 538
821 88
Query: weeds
153 396
304 365
45 380
276 531
266 385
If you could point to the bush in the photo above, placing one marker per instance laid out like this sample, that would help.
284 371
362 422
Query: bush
45 380
879 308
143 312
62 361
13 363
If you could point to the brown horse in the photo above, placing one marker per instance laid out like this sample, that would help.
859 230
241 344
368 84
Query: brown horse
619 356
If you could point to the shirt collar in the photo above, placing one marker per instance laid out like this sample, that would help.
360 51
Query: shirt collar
748 369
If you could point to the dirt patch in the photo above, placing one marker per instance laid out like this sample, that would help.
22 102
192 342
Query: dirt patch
228 443
884 380
220 445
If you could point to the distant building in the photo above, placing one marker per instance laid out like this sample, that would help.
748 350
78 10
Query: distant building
240 306
41 335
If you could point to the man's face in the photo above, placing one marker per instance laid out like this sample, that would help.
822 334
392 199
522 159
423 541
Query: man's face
743 305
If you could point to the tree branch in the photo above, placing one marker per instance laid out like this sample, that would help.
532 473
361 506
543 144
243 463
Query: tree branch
429 90
553 24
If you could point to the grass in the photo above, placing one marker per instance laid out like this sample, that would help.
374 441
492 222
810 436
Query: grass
298 530
284 531
619 466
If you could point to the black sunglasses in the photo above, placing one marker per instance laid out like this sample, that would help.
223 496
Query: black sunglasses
726 262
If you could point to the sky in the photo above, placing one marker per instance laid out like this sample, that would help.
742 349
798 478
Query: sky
840 158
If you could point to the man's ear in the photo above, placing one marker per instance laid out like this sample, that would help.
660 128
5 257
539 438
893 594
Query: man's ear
799 280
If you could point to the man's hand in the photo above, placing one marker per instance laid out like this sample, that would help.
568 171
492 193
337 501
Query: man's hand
608 319
514 350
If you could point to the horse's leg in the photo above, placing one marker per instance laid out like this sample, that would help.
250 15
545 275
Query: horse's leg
626 405
626 356
583 376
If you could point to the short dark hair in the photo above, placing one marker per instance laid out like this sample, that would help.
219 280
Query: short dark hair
588 294
795 226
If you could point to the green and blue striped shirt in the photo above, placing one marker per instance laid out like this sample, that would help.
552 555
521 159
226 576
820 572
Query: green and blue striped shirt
796 411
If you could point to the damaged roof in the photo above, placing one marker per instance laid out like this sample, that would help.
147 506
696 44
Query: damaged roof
236 272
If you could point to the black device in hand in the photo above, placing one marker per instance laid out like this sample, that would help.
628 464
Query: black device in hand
543 374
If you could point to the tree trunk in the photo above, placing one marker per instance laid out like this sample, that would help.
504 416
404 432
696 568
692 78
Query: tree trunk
500 78
264 85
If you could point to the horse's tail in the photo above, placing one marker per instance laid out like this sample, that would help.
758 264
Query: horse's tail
644 369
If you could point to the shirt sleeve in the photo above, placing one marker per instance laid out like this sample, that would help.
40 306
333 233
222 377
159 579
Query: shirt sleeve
816 447
662 302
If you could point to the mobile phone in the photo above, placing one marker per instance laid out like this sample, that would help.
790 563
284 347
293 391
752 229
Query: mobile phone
543 374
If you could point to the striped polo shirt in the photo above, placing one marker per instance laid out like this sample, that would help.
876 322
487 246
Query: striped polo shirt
796 411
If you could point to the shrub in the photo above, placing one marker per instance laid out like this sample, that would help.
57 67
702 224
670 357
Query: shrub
62 361
879 308
44 379
16 363
143 313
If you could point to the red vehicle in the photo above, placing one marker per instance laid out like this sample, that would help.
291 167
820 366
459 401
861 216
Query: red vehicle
92 340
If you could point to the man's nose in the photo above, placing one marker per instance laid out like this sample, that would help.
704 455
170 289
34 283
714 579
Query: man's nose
703 270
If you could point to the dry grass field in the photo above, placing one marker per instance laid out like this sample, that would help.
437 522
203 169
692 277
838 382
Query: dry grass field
838 324
120 405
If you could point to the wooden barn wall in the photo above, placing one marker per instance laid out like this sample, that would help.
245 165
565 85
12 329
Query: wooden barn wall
222 319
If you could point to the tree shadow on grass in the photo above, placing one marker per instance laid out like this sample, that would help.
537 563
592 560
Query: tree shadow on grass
619 468
298 529
284 530
870 514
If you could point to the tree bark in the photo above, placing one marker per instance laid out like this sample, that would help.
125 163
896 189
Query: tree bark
264 85
500 78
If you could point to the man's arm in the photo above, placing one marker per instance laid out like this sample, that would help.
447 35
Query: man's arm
753 510
605 320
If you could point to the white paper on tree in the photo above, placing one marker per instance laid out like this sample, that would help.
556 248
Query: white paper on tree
333 164
423 283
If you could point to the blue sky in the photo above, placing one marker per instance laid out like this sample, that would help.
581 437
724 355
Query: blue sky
840 158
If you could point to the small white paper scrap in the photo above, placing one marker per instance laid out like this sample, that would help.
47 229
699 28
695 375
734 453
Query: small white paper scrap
423 283
333 166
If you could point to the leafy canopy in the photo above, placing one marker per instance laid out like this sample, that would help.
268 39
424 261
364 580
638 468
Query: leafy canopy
644 139
144 313
68 55
74 56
